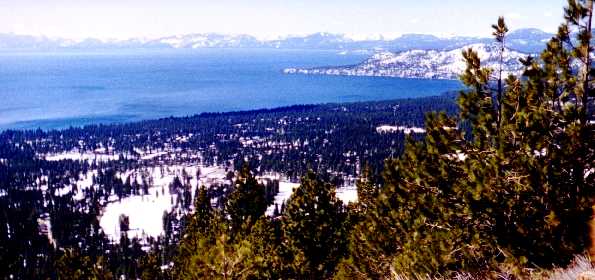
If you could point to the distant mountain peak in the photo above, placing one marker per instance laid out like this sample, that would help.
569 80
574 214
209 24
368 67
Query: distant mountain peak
416 36
529 34
527 40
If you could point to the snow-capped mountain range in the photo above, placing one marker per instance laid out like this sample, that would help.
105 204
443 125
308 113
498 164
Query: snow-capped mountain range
524 40
426 64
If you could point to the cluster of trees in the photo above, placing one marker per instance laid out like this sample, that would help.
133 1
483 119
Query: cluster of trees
295 139
306 241
507 184
516 190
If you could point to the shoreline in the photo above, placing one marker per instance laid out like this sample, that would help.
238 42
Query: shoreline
61 124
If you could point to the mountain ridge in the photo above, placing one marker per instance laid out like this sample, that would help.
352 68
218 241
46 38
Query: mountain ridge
524 40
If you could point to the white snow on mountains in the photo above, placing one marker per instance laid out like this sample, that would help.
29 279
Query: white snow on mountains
525 40
425 64
209 41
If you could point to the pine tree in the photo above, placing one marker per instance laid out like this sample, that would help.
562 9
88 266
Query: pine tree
198 233
519 190
209 251
149 267
266 247
313 227
203 213
546 148
218 256
246 203
500 30
367 191
73 265
420 223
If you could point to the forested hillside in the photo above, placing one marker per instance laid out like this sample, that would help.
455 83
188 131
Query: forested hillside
501 187
58 186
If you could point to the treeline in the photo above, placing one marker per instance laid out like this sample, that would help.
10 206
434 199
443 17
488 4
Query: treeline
292 139
502 189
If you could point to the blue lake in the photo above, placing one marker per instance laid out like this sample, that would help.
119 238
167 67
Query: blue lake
58 90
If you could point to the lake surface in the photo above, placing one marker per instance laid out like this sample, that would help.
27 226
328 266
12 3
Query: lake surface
59 90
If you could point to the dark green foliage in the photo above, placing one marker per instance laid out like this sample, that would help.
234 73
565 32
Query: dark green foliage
215 255
241 247
306 244
124 223
200 230
313 226
421 223
73 265
20 240
265 238
518 191
367 191
211 255
247 202
150 267
203 213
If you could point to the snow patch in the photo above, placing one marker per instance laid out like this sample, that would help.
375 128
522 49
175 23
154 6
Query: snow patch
346 194
145 212
82 156
404 129
285 191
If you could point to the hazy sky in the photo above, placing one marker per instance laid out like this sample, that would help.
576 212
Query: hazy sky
269 18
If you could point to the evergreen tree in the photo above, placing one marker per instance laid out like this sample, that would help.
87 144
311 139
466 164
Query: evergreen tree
217 256
73 265
313 226
149 267
265 241
247 202
419 223
198 234
367 191
519 190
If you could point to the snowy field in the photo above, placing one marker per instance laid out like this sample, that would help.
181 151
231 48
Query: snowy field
145 212
103 155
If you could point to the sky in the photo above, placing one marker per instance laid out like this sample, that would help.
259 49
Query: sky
267 19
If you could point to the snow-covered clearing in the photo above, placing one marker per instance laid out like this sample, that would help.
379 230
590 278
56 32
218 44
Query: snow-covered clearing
152 155
404 129
285 191
346 194
82 156
145 212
